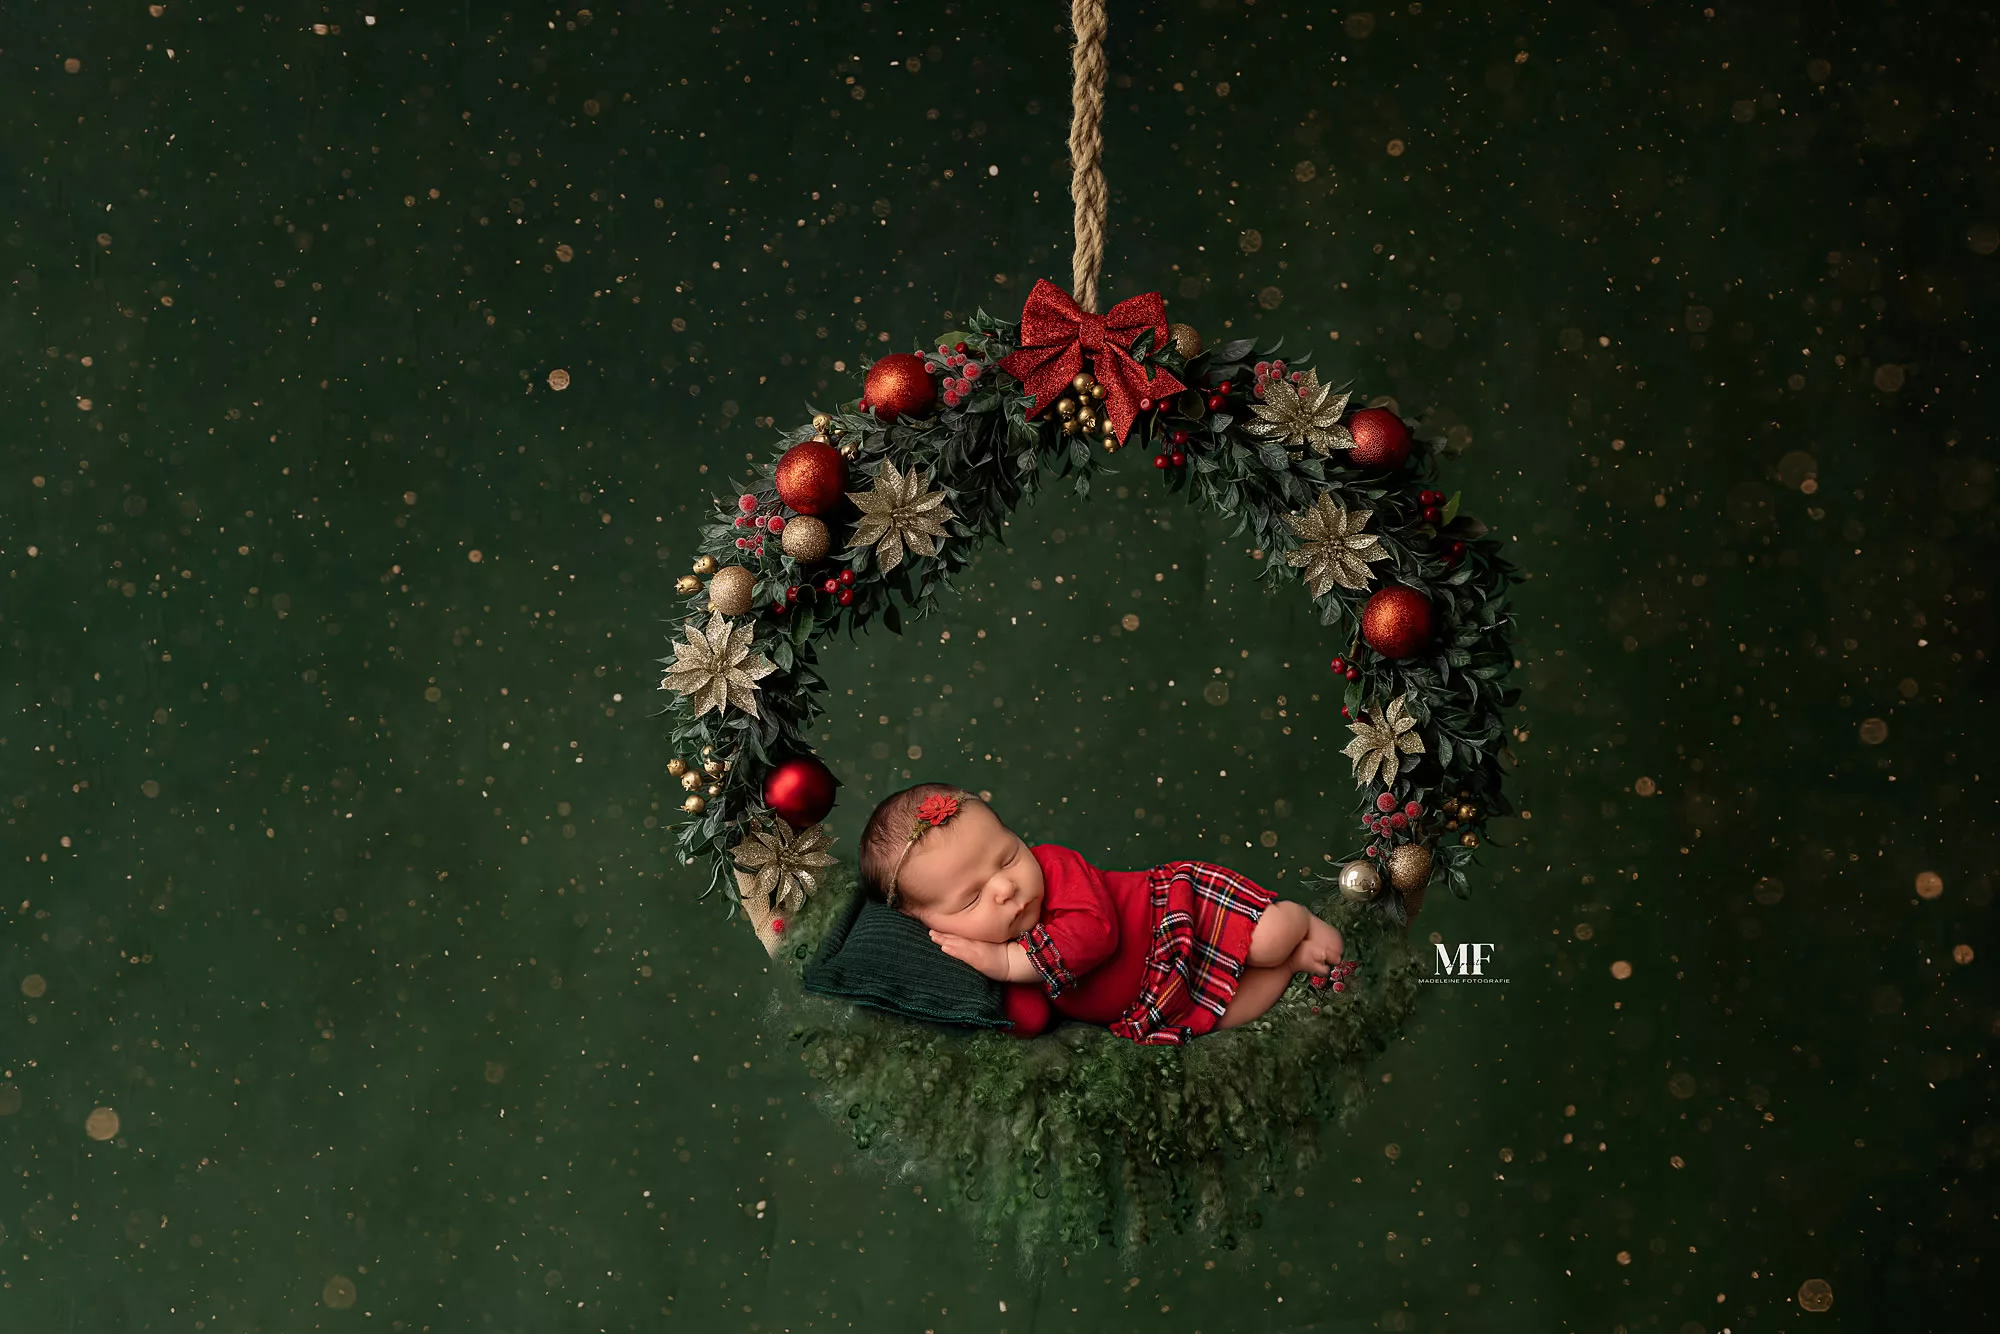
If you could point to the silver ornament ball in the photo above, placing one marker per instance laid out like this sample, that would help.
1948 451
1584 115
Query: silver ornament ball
1360 882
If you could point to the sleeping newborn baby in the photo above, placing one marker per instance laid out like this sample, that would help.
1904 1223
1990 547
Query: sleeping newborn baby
1158 955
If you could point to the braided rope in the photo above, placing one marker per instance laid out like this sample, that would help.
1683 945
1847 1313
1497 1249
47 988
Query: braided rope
1086 147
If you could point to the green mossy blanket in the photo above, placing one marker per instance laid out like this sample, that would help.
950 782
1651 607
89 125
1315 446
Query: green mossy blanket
1078 1139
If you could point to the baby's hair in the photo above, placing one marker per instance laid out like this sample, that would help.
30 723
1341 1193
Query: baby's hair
888 830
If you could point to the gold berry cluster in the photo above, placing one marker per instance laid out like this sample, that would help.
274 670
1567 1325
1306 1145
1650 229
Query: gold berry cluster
1458 811
712 769
1084 414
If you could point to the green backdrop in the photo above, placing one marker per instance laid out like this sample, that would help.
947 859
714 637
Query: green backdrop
336 816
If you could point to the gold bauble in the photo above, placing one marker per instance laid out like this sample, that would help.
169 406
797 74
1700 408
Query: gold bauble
686 584
848 450
690 780
1360 882
705 564
1082 383
1468 839
729 590
1065 408
707 751
1087 419
804 538
1468 813
1111 444
677 766
1186 341
1409 867
693 805
1072 427
713 768
714 789
1097 393
821 421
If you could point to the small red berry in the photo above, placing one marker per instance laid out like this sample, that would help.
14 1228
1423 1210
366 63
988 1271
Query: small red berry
1263 368
1413 809
742 542
758 522
1340 986
778 929
1374 850
1160 461
1398 820
1180 459
776 525
1354 673
778 607
1180 437
846 597
792 593
845 576
972 369
1344 713
1216 402
1456 550
958 347
829 585
742 521
746 502
1145 405
1340 665
1385 802
1433 515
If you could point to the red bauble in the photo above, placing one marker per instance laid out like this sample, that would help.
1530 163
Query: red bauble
1397 622
1380 439
812 477
899 384
800 790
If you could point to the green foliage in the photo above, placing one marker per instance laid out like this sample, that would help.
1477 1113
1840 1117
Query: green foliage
1079 1139
987 457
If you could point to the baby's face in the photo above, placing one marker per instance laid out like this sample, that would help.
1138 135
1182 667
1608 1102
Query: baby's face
974 877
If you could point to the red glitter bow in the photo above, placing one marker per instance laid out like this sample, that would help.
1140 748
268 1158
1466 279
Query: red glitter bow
1056 337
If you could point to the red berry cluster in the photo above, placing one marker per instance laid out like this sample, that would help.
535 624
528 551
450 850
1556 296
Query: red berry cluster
840 585
1342 667
1386 821
1431 504
959 370
751 518
1175 457
1268 371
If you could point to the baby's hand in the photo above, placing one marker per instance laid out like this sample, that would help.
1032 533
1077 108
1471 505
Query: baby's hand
989 957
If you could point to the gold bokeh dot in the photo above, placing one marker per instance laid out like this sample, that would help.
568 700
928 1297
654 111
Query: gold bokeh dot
1621 969
1929 884
1681 1084
1584 931
559 379
1392 1151
338 1292
101 1124
1395 148
1874 731
34 985
1130 620
1815 1294
1645 787
1961 954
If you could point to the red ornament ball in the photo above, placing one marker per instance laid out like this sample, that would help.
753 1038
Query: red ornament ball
897 385
1398 622
812 477
800 790
1380 439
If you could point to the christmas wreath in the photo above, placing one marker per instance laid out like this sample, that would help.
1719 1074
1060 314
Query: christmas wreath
1075 1138
952 440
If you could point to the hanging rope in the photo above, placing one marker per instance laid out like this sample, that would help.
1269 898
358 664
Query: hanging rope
1086 148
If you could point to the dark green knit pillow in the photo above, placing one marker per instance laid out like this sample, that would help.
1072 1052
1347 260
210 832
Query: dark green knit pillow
873 955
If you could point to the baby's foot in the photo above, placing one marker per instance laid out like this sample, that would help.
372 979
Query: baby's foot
1322 948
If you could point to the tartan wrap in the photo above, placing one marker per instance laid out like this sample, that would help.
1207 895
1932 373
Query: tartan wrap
1203 915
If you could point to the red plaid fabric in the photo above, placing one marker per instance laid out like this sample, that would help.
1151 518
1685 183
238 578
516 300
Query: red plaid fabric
1203 915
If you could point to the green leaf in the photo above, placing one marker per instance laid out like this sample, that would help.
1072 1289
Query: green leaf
1451 507
892 618
1079 453
1273 457
1083 483
1234 350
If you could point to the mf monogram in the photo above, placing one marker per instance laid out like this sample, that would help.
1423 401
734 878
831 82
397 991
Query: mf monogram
1467 962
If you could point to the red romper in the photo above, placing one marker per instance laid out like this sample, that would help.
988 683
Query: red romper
1154 954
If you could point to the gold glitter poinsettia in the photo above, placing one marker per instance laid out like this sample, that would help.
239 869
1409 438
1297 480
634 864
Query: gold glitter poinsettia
1306 413
787 864
1379 742
714 666
899 510
1334 550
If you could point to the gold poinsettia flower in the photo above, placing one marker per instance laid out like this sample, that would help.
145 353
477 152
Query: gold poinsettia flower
899 510
1378 743
787 864
1306 413
714 666
1334 549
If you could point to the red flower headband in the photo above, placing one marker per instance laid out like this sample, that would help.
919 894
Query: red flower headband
934 811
